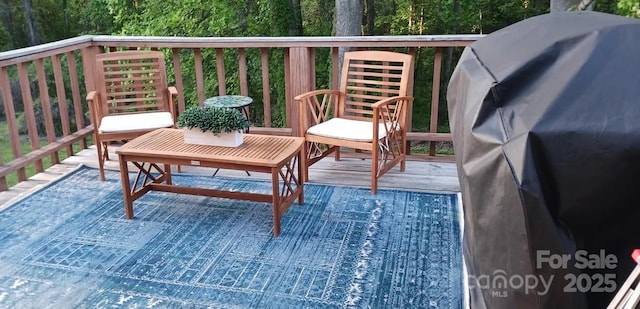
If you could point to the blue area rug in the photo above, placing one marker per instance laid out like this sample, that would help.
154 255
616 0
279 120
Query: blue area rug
69 246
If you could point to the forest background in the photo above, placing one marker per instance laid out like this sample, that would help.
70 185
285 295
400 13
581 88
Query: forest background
32 22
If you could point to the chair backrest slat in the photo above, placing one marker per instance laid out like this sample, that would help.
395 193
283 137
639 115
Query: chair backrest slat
131 81
370 76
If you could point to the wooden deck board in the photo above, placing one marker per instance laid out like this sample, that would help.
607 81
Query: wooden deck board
435 177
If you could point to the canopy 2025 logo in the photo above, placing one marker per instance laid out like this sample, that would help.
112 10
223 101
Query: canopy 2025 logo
596 282
499 282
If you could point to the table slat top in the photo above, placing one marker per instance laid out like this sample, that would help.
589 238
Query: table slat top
258 150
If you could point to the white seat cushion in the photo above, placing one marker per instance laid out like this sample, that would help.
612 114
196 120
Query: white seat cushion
135 122
347 129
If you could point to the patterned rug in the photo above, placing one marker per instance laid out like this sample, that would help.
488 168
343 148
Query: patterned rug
69 246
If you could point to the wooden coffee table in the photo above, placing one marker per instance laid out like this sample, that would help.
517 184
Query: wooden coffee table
281 156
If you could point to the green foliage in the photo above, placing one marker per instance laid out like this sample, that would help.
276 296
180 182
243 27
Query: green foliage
91 17
629 8
211 19
317 17
213 119
54 20
606 6
184 18
278 12
5 38
242 18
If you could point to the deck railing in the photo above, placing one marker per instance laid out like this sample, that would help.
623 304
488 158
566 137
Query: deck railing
43 88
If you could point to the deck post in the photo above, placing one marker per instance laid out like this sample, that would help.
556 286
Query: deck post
301 78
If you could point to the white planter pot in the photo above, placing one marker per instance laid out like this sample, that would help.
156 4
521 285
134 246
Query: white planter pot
196 136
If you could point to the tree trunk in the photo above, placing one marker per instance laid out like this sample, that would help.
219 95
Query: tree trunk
586 5
295 24
7 19
571 5
242 17
32 33
67 24
455 7
349 15
371 16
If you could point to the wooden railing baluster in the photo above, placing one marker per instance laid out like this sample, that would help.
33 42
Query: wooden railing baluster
266 87
29 115
75 91
177 69
435 98
222 81
62 100
10 116
45 102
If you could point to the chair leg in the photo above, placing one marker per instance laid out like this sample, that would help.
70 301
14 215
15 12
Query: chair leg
305 170
305 161
374 183
403 149
374 169
302 164
100 159
106 151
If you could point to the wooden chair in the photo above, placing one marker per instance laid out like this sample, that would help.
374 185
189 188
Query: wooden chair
131 98
368 112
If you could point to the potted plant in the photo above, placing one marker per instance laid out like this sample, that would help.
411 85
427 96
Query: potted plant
213 126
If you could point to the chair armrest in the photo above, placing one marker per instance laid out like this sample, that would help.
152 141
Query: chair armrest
93 102
173 93
390 100
314 93
315 107
395 118
91 95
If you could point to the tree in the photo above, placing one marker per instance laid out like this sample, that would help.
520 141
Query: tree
295 24
286 18
11 26
33 34
317 17
370 13
348 22
53 20
571 5
629 8
349 17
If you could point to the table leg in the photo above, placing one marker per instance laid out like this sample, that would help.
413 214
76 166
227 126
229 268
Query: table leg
276 200
167 174
126 188
300 184
245 113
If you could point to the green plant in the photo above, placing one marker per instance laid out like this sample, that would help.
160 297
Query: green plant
213 119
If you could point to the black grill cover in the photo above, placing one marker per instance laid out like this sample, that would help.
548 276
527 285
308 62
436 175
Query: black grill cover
545 117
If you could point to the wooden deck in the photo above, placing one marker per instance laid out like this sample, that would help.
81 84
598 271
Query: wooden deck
423 176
